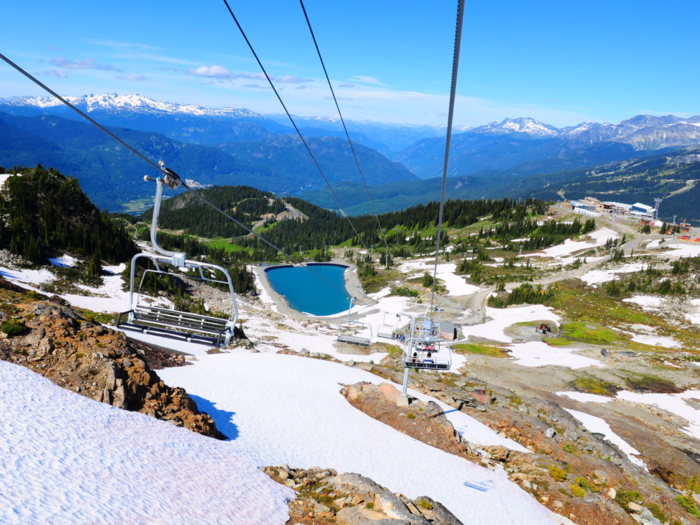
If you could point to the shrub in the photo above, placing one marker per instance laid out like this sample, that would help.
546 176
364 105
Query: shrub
426 504
13 327
34 295
624 498
577 491
405 291
657 512
411 415
688 504
557 473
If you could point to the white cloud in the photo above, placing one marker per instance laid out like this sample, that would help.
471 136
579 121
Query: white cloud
56 73
134 77
213 71
288 79
114 43
367 80
346 85
88 63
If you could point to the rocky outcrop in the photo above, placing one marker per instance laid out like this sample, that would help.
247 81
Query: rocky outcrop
95 362
324 497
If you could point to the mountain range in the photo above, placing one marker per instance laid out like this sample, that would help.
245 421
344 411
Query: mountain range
233 146
672 175
522 141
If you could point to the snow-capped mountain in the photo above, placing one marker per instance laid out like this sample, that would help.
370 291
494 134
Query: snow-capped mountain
643 132
525 125
113 102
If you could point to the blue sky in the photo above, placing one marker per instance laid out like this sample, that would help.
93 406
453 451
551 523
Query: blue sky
558 62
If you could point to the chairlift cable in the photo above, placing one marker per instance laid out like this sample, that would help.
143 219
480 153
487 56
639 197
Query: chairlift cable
59 97
453 88
272 85
352 148
171 173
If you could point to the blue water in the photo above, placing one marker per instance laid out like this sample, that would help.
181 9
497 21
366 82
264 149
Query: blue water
308 293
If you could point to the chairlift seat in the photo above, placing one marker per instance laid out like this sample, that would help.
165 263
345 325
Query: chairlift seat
419 365
353 340
182 325
177 324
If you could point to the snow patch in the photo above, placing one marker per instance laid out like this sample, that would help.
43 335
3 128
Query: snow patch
288 409
537 353
64 261
597 424
74 460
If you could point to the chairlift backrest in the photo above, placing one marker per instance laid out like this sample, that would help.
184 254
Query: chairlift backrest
168 322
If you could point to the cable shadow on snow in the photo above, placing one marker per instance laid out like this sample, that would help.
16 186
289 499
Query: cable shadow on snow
222 418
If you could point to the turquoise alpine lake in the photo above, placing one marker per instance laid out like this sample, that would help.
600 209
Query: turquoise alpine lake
308 293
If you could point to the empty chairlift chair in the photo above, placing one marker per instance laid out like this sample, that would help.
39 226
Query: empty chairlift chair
386 330
167 322
423 348
346 331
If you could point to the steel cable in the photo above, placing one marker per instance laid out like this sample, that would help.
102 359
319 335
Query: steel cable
169 172
272 85
453 88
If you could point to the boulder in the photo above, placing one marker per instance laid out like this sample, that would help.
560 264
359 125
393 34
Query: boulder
550 432
390 392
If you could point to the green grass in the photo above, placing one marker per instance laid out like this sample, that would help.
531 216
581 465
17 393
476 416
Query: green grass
13 327
472 348
137 206
593 385
265 227
582 332
688 504
651 383
220 242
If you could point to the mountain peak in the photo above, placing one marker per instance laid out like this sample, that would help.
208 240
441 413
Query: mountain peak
113 102
526 125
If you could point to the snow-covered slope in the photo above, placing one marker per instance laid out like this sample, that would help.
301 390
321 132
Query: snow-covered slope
289 409
66 459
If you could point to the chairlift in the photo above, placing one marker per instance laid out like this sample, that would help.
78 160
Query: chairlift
423 348
347 330
169 322
386 330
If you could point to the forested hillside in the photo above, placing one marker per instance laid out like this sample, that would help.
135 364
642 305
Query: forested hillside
671 175
322 227
112 176
287 153
46 214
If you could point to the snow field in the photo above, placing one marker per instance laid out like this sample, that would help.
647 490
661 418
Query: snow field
67 459
502 318
569 246
682 250
597 424
537 353
288 409
603 276
27 277
673 403
647 302
455 284
64 261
